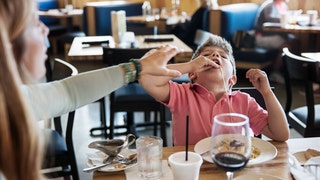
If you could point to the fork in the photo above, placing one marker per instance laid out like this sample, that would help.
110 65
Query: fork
205 153
90 169
127 161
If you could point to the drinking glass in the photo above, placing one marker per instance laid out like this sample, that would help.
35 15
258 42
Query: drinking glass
230 142
149 150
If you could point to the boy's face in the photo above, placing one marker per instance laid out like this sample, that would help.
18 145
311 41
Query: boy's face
218 75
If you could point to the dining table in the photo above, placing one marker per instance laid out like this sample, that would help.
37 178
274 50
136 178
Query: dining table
80 50
62 14
163 24
278 166
291 28
308 35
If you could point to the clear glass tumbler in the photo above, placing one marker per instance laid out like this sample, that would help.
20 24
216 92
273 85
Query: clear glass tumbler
149 150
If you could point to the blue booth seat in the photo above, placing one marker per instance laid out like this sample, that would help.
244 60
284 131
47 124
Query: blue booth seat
231 19
236 17
56 29
45 5
53 23
97 15
59 34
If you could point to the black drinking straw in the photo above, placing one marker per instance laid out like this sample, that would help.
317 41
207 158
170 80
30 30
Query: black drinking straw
187 137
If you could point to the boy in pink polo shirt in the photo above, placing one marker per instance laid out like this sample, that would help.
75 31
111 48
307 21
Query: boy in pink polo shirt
213 73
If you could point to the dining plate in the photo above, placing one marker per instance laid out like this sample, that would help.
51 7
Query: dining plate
252 176
267 150
96 158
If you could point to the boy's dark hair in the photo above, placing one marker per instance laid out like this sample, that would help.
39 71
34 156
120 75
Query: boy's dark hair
217 41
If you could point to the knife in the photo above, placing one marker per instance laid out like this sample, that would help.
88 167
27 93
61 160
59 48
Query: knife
108 161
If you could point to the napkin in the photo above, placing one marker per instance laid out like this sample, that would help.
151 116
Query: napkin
306 172
133 174
96 157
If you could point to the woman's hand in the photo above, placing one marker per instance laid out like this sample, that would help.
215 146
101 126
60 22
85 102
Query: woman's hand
155 61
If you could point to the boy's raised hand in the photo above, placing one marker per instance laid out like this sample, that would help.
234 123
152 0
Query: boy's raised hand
202 63
259 80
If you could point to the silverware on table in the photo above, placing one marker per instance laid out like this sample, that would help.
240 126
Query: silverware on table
132 159
206 153
112 147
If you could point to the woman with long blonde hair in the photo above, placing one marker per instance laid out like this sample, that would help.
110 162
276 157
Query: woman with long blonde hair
22 57
20 155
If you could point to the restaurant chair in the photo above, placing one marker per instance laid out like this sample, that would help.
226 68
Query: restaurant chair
253 92
113 56
103 120
235 22
110 59
200 37
132 97
59 159
303 72
96 19
248 56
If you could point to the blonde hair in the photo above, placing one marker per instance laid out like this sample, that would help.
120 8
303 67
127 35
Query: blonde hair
21 147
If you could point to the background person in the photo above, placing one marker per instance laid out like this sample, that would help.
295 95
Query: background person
270 11
187 31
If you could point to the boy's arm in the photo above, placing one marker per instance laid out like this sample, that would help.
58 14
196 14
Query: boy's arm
158 86
277 128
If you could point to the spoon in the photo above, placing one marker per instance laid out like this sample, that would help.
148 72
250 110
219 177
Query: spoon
130 160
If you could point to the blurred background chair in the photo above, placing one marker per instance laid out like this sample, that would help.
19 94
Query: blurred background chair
60 34
114 56
235 22
131 98
305 72
60 160
253 92
56 29
200 37
97 16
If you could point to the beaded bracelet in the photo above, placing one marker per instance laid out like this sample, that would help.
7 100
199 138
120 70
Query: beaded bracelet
137 65
133 72
130 72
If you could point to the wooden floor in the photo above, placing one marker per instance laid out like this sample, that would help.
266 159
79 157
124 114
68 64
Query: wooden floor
88 117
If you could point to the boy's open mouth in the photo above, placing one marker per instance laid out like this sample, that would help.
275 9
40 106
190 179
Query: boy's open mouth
217 62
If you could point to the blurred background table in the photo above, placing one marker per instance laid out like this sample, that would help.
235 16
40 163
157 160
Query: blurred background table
308 35
78 51
62 14
164 25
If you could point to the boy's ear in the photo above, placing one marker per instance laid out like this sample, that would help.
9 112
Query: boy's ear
192 76
233 80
